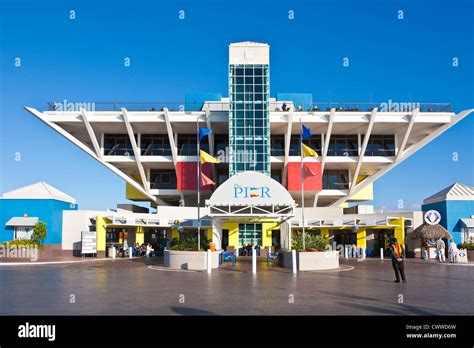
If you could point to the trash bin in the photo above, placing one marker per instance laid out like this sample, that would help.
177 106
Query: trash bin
280 259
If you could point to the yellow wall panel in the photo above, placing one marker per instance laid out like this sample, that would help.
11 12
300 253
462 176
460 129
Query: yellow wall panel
100 228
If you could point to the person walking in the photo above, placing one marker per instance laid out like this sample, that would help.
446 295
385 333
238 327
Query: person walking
397 255
440 247
453 252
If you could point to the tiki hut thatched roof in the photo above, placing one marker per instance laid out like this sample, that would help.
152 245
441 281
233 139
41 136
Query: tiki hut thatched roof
427 231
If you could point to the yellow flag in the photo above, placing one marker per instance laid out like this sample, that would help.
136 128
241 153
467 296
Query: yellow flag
206 158
308 152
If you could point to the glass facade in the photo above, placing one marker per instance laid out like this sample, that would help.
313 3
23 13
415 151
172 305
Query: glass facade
249 120
250 234
118 145
162 179
334 179
155 145
381 145
343 145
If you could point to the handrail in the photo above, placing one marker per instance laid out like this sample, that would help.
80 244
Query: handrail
273 106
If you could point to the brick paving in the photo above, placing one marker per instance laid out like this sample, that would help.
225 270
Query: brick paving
132 287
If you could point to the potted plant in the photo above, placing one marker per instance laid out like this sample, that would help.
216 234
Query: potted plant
314 255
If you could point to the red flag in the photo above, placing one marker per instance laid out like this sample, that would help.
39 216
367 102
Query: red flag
308 171
206 181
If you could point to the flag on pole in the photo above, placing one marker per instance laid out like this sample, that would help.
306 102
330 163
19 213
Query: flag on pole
308 171
206 181
308 152
306 132
203 132
206 158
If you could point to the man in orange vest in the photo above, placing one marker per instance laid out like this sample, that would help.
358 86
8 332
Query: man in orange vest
397 254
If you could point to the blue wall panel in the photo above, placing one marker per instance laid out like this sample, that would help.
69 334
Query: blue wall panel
49 211
451 213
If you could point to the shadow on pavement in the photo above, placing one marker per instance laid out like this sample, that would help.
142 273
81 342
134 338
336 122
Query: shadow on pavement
190 311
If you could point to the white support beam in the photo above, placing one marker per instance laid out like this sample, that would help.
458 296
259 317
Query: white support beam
211 142
136 150
363 149
315 201
407 153
174 149
407 134
287 148
91 133
327 139
87 150
210 136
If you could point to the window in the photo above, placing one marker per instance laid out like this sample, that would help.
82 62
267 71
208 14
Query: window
335 179
163 179
276 175
313 142
155 145
381 145
277 143
221 142
187 145
249 129
250 234
222 172
343 145
117 145
23 232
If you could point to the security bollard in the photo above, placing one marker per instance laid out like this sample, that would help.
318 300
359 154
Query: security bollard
114 252
209 261
130 252
363 253
293 260
381 253
254 261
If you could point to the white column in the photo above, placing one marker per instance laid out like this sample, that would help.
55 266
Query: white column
381 253
254 261
209 261
293 261
285 235
217 233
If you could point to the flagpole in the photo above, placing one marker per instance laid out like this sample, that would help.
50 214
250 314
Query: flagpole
302 183
198 183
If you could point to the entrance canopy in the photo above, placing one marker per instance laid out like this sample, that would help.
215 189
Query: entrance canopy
251 194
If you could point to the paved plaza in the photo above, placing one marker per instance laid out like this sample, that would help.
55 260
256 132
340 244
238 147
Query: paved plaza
144 287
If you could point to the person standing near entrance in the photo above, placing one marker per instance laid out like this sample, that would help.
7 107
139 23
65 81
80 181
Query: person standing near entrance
453 252
397 255
440 247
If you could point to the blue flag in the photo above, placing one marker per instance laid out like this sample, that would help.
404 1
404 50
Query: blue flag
306 132
203 132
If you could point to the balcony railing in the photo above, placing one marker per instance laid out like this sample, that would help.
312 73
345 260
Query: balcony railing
274 106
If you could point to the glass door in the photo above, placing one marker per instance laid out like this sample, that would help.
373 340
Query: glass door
250 234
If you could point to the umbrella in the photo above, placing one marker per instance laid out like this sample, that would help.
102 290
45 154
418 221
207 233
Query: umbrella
427 231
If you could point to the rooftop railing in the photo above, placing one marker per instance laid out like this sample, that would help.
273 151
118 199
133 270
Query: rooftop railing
274 106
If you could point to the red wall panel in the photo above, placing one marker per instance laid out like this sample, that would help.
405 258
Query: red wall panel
187 175
311 182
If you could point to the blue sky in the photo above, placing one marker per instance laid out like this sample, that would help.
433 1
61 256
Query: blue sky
82 59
